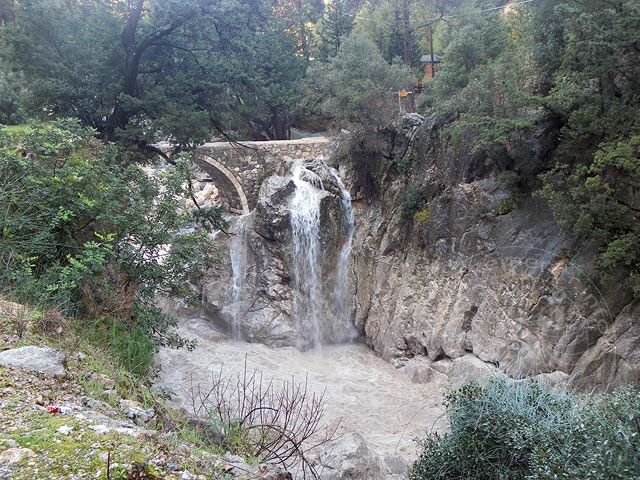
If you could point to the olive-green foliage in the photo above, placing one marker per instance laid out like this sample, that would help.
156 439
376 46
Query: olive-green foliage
85 233
597 201
506 206
357 86
522 430
335 24
188 69
422 217
413 200
10 109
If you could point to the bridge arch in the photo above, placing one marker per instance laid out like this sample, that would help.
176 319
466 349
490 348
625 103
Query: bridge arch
229 187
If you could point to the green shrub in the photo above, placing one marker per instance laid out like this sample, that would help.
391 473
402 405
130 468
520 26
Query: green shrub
412 201
85 232
480 211
422 216
10 109
506 206
521 430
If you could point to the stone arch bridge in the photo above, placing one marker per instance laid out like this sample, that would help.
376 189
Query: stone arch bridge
238 169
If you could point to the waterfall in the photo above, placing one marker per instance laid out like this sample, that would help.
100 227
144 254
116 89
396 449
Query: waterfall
238 256
305 228
341 291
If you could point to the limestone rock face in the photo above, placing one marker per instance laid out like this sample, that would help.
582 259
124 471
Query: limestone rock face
40 359
257 302
478 275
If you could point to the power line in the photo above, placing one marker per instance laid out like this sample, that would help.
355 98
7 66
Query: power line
442 17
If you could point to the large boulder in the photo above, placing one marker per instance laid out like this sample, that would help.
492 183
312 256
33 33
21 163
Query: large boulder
349 458
15 455
40 359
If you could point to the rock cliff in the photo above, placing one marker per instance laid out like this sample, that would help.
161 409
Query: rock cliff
475 272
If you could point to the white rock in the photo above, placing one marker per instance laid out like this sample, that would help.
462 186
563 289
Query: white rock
65 429
40 359
15 455
99 428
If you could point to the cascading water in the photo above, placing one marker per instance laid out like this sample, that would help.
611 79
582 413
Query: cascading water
341 291
238 257
305 227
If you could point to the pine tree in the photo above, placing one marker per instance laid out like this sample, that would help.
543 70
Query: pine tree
336 24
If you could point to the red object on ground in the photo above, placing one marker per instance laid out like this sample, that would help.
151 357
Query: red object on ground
53 409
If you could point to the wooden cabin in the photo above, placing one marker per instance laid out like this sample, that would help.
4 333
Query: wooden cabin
431 66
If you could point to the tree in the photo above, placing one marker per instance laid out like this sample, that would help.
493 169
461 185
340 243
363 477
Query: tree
7 11
85 234
571 71
143 71
266 81
336 23
358 87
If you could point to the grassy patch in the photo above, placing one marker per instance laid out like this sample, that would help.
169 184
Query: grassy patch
15 128
80 452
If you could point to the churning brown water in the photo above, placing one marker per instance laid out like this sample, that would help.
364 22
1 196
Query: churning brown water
369 395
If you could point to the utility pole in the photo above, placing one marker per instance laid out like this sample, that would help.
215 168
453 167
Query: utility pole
408 51
433 65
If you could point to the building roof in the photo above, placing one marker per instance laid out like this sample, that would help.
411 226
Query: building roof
427 58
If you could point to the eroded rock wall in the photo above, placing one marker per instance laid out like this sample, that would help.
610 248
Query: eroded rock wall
478 274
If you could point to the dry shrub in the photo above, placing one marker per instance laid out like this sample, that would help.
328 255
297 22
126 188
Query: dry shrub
278 424
116 300
53 322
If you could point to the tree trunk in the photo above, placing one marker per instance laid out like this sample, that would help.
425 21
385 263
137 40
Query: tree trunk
119 117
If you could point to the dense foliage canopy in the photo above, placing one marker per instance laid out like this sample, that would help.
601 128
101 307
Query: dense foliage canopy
143 71
553 87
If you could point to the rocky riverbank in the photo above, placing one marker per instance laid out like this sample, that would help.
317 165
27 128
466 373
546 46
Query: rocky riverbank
62 418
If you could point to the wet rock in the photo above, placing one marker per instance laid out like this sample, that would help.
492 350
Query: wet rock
134 411
261 307
349 457
15 455
478 273
40 359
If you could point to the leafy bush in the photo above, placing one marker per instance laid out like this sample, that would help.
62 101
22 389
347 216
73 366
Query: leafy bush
412 201
522 430
87 233
422 217
506 206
